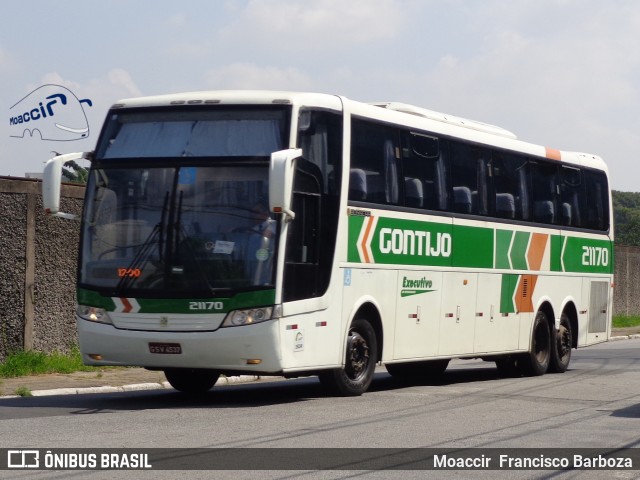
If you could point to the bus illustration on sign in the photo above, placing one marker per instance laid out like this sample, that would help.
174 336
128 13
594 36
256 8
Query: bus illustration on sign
53 111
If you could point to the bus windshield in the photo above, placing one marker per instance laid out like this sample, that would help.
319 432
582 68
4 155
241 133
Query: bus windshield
196 231
193 133
177 202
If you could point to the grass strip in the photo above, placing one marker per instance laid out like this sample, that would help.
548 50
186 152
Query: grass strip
22 363
626 321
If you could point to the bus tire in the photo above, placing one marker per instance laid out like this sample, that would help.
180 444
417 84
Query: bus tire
536 362
424 370
191 380
360 362
561 342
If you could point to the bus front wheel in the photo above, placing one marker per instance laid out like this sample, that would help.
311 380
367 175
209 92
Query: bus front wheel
360 362
191 380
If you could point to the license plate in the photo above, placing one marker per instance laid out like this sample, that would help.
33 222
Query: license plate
165 348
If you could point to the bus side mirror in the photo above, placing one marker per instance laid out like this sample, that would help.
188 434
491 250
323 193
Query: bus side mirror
51 180
281 172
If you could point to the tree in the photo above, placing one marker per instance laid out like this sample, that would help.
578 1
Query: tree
74 173
626 217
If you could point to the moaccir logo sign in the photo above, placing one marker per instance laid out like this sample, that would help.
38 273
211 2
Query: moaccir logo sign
51 111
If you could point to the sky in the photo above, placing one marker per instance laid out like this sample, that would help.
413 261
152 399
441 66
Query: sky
560 73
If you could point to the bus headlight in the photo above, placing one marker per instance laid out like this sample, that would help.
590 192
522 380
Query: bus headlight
247 317
93 314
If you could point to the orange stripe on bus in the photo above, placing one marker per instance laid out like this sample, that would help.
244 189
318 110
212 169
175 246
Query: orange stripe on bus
553 154
526 286
127 305
536 251
364 240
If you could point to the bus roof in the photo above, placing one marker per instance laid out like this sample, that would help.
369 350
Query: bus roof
392 112
233 97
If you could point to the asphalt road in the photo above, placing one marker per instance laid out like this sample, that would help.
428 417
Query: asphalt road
596 404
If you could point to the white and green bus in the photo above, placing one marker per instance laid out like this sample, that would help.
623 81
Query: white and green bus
291 234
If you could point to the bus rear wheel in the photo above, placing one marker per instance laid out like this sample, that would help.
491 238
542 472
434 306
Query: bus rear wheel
191 380
360 362
536 362
561 343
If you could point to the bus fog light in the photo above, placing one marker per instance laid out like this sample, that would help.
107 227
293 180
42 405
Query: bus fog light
93 314
247 317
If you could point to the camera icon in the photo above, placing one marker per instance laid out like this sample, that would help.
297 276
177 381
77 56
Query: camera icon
23 459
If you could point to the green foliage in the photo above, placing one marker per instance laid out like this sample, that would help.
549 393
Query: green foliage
74 173
24 363
23 392
626 215
626 321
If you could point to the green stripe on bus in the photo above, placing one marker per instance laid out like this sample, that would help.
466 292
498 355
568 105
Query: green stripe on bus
473 247
556 250
94 299
503 242
411 242
252 299
587 255
355 225
519 251
507 291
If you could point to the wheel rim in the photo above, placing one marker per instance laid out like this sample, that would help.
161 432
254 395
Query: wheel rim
357 356
564 342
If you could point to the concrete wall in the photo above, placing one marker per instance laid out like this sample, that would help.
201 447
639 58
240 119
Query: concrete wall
626 294
38 256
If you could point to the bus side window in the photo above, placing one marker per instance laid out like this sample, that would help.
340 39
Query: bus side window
544 192
374 152
572 196
469 178
423 171
509 186
598 204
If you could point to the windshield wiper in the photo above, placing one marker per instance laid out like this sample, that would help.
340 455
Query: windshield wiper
142 256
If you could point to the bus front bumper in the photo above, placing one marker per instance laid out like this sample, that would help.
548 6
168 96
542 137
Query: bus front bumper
251 348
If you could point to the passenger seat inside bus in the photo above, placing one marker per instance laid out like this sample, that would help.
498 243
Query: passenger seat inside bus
543 211
462 199
566 214
357 185
413 192
505 205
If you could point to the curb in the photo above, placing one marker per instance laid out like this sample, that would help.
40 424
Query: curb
625 337
138 387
